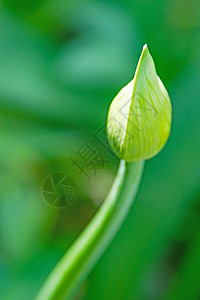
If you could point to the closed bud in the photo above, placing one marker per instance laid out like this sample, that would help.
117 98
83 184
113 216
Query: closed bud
139 117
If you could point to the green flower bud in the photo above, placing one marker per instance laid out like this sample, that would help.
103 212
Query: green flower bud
139 117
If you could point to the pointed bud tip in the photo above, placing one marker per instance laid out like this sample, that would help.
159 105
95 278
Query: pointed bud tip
143 55
145 47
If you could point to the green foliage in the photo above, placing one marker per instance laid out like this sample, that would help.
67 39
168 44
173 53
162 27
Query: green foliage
61 64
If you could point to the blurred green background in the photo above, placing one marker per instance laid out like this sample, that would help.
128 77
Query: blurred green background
61 64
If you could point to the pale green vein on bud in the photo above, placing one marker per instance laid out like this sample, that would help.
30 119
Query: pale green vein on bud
139 117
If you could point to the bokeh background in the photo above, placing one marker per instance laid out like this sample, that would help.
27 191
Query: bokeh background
61 64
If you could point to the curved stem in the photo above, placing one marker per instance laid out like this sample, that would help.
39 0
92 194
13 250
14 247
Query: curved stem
76 264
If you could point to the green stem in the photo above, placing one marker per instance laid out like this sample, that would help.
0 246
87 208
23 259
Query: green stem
76 264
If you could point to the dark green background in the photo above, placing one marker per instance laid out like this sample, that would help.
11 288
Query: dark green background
61 64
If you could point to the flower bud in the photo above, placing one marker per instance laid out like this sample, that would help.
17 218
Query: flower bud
139 117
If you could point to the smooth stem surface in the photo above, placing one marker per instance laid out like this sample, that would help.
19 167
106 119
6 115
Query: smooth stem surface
76 264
